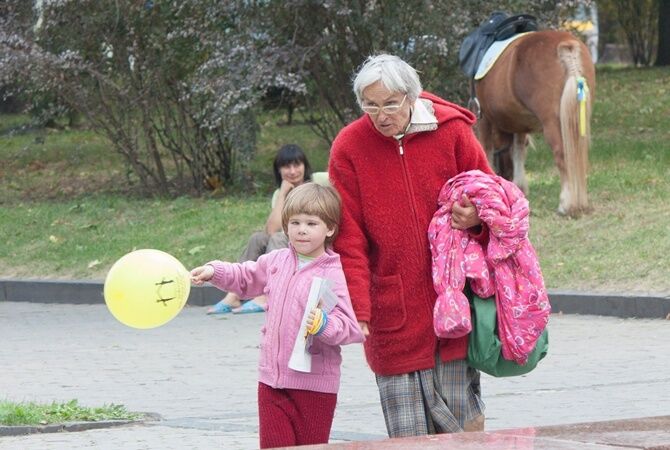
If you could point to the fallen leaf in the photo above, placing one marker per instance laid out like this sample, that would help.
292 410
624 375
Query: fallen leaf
196 249
54 239
92 264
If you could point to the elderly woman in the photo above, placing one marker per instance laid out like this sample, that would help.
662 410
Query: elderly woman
389 166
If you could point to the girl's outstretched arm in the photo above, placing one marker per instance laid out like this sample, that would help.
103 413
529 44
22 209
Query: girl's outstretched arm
247 279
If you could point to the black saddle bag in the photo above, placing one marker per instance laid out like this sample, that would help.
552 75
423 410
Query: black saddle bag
498 27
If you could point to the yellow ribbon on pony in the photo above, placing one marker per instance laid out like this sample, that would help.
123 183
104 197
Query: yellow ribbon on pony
582 91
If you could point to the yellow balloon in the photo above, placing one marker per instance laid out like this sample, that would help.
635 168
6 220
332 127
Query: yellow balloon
146 288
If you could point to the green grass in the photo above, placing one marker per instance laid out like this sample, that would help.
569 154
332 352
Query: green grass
30 413
63 213
83 238
624 244
274 133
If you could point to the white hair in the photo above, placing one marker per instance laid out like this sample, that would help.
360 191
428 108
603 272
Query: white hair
395 74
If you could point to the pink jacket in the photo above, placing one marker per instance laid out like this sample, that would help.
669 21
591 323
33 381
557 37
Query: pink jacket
508 267
275 275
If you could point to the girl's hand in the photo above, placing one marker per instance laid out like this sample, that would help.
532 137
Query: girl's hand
316 321
310 318
201 274
464 215
364 328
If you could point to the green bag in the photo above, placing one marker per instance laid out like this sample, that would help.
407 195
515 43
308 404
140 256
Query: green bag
484 348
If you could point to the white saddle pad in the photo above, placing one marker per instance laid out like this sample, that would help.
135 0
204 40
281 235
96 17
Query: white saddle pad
492 54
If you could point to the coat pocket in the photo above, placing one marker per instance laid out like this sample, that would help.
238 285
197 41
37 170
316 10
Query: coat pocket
388 303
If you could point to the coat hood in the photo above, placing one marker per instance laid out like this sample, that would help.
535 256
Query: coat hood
446 111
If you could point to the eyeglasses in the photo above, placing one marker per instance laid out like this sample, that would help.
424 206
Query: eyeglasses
388 109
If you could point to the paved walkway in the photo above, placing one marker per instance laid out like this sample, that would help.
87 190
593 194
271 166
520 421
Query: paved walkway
199 374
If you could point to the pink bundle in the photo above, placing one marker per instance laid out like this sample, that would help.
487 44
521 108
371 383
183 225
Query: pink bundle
507 268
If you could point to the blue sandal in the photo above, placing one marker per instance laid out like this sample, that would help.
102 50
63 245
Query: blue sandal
220 308
249 307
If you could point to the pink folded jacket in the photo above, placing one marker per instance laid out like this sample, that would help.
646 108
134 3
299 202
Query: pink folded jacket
507 268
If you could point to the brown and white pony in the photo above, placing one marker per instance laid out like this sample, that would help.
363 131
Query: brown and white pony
534 86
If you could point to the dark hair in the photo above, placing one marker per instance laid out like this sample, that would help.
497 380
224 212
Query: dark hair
288 154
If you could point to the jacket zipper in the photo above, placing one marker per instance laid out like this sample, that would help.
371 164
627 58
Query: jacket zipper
401 151
279 327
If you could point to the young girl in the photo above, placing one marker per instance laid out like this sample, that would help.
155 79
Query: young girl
296 408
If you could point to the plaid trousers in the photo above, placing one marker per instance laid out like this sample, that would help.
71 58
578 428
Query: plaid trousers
444 399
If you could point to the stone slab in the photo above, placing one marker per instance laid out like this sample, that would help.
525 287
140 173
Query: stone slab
81 292
652 433
568 302
624 305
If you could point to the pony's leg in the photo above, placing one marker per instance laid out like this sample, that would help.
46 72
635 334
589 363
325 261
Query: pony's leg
519 161
484 132
552 134
504 162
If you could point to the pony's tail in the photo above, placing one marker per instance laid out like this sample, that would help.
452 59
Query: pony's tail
575 115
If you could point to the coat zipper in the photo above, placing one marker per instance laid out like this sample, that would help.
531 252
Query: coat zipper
401 151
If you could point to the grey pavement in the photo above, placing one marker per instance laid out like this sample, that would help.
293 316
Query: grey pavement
199 374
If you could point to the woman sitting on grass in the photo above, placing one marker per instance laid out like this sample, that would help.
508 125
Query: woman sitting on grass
291 169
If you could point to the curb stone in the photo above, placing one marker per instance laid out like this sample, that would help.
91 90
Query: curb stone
20 430
86 292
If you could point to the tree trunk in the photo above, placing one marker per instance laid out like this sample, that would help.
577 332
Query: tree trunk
663 51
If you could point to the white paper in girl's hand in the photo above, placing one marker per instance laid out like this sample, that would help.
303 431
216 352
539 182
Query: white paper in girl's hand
301 359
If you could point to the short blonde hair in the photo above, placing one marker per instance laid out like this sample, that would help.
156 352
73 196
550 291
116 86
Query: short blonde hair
314 200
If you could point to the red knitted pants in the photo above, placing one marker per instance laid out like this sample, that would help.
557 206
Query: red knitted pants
290 417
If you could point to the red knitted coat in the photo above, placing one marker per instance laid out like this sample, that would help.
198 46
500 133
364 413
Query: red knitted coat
388 201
